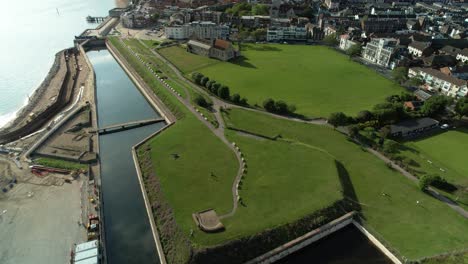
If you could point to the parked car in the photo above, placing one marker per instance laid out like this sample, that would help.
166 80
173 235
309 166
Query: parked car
444 126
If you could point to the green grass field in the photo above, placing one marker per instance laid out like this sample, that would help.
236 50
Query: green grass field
445 151
288 178
318 80
61 164
413 230
273 185
284 183
185 61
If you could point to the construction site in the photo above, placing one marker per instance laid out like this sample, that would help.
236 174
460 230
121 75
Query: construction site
49 171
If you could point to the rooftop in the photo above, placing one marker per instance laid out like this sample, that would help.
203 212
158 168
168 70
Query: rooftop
441 75
412 125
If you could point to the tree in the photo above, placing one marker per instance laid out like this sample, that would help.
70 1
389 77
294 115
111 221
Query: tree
235 98
269 105
243 101
400 74
337 119
291 108
196 77
461 108
154 17
416 81
309 13
201 101
353 131
424 182
260 10
204 80
405 96
259 34
384 132
435 105
281 107
241 36
364 116
390 146
354 50
210 84
330 40
223 92
215 87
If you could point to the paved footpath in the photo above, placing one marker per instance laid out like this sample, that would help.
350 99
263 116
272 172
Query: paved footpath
218 104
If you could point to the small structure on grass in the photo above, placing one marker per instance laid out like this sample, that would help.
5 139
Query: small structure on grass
208 221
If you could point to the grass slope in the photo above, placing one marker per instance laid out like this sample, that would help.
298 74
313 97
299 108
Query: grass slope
318 80
185 61
413 230
446 151
186 181
284 182
61 164
277 190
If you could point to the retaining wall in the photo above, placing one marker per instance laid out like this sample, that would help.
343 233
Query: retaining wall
305 240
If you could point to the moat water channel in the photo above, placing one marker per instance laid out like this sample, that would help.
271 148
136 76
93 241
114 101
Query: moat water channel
128 234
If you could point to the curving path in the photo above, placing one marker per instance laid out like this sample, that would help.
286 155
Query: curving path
218 104
218 132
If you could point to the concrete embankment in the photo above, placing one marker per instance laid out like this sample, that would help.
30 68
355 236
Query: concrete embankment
145 90
157 104
317 234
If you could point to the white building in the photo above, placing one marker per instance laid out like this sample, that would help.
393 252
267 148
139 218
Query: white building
286 34
462 55
379 51
86 253
417 48
437 80
134 19
197 29
345 42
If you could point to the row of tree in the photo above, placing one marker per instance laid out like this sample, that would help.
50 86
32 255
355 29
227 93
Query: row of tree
222 91
278 107
246 9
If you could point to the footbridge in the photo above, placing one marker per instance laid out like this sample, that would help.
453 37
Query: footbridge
129 125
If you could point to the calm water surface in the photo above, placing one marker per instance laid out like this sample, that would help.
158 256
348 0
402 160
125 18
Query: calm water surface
346 246
32 32
128 233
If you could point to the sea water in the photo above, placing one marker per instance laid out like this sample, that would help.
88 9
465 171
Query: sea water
31 32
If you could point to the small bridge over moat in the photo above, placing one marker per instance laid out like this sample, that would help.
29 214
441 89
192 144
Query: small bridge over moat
128 125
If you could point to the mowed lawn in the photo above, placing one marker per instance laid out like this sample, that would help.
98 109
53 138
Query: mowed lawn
284 183
185 61
203 174
413 230
444 154
317 79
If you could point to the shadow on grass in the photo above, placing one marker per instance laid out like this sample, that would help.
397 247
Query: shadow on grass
243 62
347 186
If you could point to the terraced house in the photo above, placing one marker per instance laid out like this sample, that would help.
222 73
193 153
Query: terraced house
437 80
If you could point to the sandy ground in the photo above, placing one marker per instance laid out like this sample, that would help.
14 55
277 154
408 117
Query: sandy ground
40 223
141 33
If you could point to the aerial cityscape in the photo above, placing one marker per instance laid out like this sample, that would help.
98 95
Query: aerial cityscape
234 131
